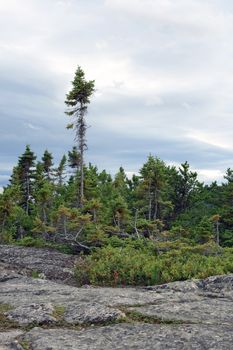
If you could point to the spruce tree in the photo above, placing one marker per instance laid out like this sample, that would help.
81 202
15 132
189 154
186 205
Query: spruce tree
25 177
47 161
74 159
183 188
60 171
154 182
77 101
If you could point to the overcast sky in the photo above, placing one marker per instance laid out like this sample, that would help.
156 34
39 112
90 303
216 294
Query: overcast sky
163 72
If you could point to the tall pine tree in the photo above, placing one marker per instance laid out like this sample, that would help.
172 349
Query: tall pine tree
77 101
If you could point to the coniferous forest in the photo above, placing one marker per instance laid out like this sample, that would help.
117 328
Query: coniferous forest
159 226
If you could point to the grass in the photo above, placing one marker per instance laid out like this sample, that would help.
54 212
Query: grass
5 323
58 312
25 345
133 316
35 274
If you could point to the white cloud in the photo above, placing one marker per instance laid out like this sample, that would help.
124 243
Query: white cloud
215 139
207 175
32 127
101 44
163 74
193 14
130 174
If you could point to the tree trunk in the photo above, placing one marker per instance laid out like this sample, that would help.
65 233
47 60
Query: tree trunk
64 227
4 220
94 215
82 130
81 179
135 222
28 194
44 215
156 205
150 202
217 232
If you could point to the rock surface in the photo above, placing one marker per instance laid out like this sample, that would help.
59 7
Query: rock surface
136 337
8 340
32 313
49 263
91 313
194 314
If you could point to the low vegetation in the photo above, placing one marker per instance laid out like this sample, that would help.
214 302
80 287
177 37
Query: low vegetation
147 263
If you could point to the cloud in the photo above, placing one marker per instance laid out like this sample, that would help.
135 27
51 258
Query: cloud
213 140
207 175
31 126
163 74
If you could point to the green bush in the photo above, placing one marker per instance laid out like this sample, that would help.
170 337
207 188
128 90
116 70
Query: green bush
133 263
6 237
39 242
29 241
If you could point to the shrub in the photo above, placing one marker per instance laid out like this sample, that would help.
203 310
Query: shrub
134 263
29 241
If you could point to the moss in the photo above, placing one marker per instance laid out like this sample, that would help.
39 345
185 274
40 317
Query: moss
5 308
5 323
25 345
58 312
35 274
135 316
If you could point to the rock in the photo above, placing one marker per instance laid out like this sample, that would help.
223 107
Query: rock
32 313
7 273
180 286
222 285
184 315
133 336
20 291
199 301
216 284
91 313
8 340
85 313
51 264
205 310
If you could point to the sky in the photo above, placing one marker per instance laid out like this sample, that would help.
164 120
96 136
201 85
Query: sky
163 72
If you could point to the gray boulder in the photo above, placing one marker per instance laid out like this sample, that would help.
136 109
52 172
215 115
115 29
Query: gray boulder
32 313
8 340
91 313
44 262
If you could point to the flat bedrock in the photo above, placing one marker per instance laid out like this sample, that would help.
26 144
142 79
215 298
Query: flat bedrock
195 314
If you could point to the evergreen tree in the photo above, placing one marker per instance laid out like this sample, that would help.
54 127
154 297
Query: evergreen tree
74 159
47 162
185 185
226 208
204 231
24 175
153 186
8 201
60 171
120 183
77 101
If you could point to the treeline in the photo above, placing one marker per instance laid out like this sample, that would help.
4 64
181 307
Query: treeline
43 203
82 207
158 226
